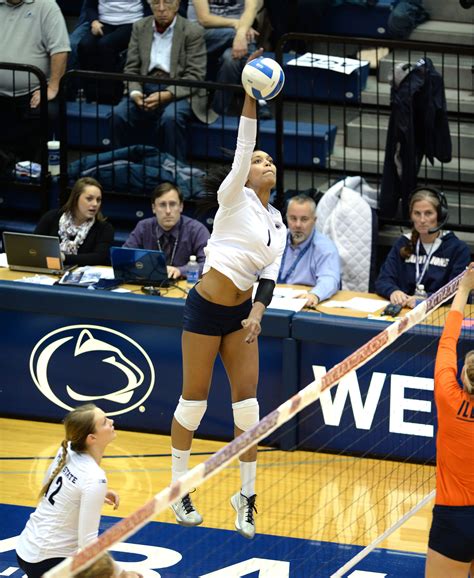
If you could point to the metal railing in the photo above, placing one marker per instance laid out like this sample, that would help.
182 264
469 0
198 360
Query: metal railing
362 118
353 109
28 194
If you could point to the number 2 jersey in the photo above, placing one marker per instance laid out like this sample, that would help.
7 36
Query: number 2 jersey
68 517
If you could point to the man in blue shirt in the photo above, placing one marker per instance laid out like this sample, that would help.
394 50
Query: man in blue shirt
310 258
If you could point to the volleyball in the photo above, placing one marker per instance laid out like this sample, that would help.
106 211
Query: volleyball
263 78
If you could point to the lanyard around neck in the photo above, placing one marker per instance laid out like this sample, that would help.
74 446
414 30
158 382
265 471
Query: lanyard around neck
419 276
175 244
283 279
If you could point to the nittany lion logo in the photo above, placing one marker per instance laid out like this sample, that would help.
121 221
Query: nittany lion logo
90 363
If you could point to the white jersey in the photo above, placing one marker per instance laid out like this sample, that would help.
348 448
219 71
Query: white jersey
118 12
247 240
225 8
68 517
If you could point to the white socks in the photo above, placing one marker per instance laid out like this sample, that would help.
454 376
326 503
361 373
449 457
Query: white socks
248 473
179 463
248 470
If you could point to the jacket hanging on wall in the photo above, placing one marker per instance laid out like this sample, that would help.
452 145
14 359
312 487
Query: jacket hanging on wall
418 127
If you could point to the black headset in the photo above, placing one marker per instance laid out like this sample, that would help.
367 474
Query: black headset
442 208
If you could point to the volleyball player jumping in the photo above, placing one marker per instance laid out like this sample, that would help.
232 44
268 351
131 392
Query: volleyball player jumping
246 246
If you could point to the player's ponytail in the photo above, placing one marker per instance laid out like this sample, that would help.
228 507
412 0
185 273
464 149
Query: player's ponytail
211 182
56 470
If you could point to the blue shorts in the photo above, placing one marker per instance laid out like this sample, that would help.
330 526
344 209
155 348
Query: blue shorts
37 569
452 532
202 316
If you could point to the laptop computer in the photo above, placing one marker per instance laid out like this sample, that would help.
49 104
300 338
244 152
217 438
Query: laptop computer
33 253
139 266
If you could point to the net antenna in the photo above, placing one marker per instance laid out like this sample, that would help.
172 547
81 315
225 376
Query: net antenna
197 475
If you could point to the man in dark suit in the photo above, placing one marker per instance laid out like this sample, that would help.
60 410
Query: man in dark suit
163 46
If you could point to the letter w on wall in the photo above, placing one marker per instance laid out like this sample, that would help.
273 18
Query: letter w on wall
349 387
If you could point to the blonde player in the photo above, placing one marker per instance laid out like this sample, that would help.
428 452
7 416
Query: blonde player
71 499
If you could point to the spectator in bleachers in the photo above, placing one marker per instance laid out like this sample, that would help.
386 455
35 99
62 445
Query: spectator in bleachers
32 33
84 234
163 46
295 16
80 30
405 16
170 231
308 15
102 46
230 38
427 258
310 258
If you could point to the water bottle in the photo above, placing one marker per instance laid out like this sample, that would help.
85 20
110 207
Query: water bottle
53 157
192 271
420 294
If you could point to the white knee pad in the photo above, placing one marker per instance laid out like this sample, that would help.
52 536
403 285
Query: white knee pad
189 413
246 413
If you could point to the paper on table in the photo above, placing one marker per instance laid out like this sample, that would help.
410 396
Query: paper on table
93 274
38 280
287 303
3 260
86 276
364 304
284 298
328 62
105 272
287 292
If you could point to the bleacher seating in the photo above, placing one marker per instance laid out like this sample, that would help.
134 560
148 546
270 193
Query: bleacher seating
352 20
88 125
306 144
318 83
21 209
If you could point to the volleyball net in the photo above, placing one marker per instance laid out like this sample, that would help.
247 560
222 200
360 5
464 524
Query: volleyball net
338 494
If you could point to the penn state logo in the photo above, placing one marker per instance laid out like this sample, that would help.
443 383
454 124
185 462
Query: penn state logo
90 363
